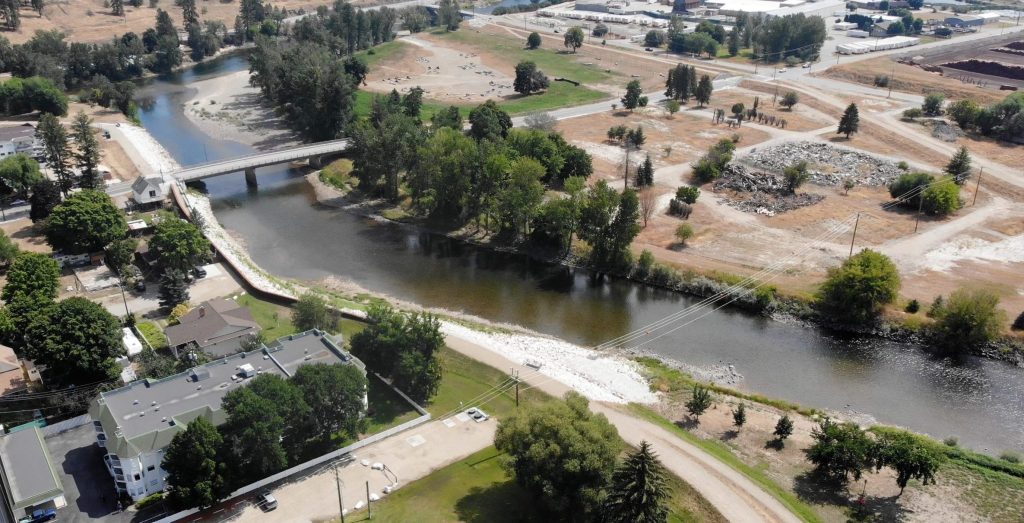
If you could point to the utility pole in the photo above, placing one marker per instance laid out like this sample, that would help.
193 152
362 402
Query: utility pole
516 377
920 205
892 77
855 225
341 505
977 187
369 513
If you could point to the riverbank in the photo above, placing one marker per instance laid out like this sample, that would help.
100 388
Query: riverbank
228 107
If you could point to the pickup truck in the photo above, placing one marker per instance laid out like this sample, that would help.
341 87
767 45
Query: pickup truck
40 515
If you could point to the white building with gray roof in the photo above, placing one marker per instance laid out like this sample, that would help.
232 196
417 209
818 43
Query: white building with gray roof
27 474
135 423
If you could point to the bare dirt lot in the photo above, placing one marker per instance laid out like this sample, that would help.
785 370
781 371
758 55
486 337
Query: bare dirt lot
89 21
912 79
685 136
444 73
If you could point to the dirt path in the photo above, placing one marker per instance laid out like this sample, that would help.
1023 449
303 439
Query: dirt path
735 496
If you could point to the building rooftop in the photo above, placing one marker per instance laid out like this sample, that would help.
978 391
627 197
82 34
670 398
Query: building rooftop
145 415
29 475
12 132
12 377
212 322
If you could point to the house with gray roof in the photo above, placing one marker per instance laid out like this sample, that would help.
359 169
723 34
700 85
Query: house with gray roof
216 326
134 424
27 473
149 191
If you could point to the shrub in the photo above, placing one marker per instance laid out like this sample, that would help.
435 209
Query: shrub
932 105
644 263
913 112
680 209
1010 456
913 307
1018 324
969 319
149 501
951 441
684 232
903 165
688 194
936 307
907 187
600 30
882 80
942 198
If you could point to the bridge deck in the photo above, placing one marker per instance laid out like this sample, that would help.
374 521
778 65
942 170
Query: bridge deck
252 161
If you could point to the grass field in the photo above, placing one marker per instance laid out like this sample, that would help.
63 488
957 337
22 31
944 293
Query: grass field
464 377
387 408
478 489
382 52
560 94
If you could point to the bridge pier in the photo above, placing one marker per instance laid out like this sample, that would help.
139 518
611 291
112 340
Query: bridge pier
316 162
250 177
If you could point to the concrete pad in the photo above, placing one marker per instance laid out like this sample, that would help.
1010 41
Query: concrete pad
415 441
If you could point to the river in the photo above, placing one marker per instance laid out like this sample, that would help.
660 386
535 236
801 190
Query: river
979 401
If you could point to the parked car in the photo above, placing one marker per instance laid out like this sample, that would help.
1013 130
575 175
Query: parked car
199 272
648 49
807 65
40 515
267 501
783 70
140 286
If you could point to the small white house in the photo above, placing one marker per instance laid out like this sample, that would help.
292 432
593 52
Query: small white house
146 191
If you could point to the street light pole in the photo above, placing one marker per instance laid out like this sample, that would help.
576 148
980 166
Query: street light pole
127 313
855 225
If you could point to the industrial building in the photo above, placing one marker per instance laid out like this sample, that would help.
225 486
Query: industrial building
881 44
975 20
28 476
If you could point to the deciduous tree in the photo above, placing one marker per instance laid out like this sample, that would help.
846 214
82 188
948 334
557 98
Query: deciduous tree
18 173
911 456
700 401
540 444
195 470
533 41
529 79
77 340
631 100
970 318
178 244
31 274
311 312
45 197
574 38
335 395
840 450
856 291
403 348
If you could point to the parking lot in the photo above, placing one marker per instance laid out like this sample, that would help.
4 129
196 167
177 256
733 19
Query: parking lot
88 488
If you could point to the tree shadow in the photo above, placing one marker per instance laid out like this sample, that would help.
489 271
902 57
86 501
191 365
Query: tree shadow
730 435
775 444
817 489
499 502
688 423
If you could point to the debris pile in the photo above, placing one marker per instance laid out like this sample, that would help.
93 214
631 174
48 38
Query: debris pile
946 132
827 165
759 192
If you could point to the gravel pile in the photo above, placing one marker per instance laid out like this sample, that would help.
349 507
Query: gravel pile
828 165
946 132
758 192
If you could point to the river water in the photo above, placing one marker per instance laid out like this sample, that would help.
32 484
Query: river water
289 234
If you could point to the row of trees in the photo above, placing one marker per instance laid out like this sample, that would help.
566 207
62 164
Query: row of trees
1004 119
345 29
271 422
24 95
313 87
565 456
402 348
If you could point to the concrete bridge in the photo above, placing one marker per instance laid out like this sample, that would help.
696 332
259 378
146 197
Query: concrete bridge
248 164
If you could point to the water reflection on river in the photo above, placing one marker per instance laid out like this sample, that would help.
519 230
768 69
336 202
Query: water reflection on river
287 233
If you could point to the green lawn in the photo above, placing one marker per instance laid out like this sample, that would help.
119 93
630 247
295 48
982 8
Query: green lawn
478 489
386 407
275 320
153 334
382 52
465 378
338 174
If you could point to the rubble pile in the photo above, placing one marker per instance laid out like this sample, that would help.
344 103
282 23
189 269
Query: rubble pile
827 165
946 132
759 192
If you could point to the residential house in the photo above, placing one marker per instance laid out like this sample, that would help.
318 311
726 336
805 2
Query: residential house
135 423
149 191
19 139
16 375
218 327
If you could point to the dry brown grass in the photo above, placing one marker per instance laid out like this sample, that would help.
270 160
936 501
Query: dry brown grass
88 21
910 79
